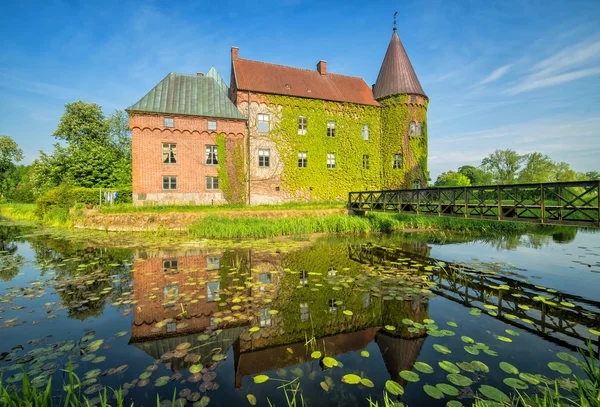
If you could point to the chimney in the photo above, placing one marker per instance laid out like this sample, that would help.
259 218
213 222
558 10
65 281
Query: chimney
234 53
200 74
322 67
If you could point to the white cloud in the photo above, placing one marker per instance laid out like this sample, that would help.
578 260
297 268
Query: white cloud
553 80
495 75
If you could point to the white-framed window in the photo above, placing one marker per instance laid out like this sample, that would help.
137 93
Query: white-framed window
170 266
213 263
302 160
397 161
413 99
301 125
263 123
330 160
412 128
331 129
419 129
211 290
265 317
169 182
303 278
212 155
169 122
365 162
212 183
212 125
169 153
264 157
365 132
416 185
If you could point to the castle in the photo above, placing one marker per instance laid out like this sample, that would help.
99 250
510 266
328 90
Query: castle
279 134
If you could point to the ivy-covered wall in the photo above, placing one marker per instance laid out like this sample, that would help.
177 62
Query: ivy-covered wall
396 114
316 180
231 172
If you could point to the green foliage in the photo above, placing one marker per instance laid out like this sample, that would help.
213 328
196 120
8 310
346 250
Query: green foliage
538 168
504 165
81 123
477 176
347 145
10 153
396 116
592 175
452 179
288 206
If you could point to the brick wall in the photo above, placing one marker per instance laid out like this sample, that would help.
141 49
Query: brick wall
191 135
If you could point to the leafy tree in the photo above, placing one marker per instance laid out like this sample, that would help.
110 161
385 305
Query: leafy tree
565 173
83 122
592 175
504 165
538 168
119 131
10 153
452 179
477 176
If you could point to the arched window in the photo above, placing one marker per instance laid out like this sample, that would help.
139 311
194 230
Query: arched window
419 128
412 128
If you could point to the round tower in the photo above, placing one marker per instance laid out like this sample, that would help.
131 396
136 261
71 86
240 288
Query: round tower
403 120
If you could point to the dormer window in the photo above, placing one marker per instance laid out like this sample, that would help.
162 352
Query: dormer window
412 128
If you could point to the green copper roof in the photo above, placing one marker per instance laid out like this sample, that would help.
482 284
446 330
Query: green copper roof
212 73
188 95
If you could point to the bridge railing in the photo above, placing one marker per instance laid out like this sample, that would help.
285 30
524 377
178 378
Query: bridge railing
574 203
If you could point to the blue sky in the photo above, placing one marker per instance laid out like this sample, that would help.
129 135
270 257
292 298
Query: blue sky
499 74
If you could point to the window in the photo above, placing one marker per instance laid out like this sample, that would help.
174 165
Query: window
304 316
302 159
332 306
413 99
212 125
301 125
412 128
303 278
264 158
172 327
331 272
213 263
419 129
171 294
169 122
169 183
212 182
170 266
366 162
169 153
211 290
263 123
265 317
331 129
416 185
212 156
330 160
397 161
265 278
365 132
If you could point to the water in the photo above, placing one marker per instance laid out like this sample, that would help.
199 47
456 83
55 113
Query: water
203 319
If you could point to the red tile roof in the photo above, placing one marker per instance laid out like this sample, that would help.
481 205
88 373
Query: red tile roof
275 79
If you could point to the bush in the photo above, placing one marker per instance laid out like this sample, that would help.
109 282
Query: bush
20 195
67 197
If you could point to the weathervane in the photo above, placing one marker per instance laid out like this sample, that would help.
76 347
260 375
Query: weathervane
395 20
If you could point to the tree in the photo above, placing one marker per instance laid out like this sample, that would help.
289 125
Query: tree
564 172
477 176
592 175
118 124
504 165
452 179
538 168
10 153
83 122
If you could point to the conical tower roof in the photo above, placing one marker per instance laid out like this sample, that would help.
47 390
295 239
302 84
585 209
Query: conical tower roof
396 74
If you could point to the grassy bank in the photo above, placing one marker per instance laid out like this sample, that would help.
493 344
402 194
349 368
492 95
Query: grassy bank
215 226
290 206
18 211
58 217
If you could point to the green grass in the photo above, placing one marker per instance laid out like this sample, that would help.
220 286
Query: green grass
130 208
18 211
215 226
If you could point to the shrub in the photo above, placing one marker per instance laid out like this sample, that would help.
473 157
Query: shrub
20 195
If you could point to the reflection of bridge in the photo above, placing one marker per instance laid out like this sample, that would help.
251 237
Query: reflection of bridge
564 203
520 305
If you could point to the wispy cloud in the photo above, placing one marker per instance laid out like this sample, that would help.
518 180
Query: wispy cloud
574 62
495 75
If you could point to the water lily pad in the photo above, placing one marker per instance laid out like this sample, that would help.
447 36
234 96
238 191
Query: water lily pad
480 366
433 392
516 383
316 355
324 386
122 333
364 354
512 332
409 376
145 375
348 312
196 368
423 367
161 381
442 349
504 339
508 368
465 366
448 389
472 350
560 367
567 357
528 377
261 378
351 379
452 324
99 359
595 332
494 394
467 339
329 361
254 329
454 403
394 388
459 380
390 327
449 366
366 382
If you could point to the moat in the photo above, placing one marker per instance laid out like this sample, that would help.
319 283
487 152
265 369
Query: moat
427 318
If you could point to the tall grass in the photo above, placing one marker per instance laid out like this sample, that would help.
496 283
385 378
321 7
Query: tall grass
18 211
130 208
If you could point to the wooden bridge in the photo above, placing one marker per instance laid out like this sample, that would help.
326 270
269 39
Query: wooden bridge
562 203
556 316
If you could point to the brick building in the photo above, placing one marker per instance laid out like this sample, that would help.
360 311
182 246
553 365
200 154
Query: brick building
279 134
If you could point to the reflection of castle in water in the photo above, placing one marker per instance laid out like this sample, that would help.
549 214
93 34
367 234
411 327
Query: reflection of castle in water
294 295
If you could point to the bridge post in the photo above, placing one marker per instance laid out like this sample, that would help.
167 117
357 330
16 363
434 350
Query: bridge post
466 201
598 201
499 214
542 203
